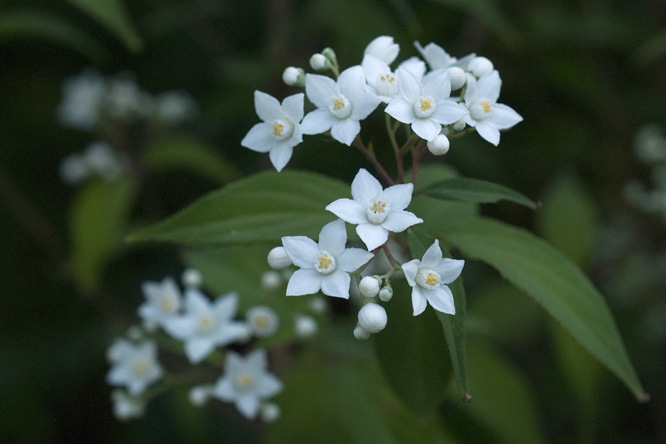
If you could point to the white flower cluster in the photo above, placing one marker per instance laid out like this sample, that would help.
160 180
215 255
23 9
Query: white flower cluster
89 98
98 159
412 94
202 326
650 148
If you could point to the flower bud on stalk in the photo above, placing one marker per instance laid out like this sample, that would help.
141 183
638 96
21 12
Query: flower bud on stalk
278 258
293 76
369 286
319 62
372 318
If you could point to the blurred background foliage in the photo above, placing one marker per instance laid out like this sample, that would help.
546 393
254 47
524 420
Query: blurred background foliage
586 76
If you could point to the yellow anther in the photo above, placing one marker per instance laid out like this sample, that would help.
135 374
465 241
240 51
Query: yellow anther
277 129
378 207
166 305
139 368
486 107
261 321
205 322
245 380
324 262
338 104
431 280
425 105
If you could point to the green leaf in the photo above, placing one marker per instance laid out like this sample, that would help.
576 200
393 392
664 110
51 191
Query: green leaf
187 153
262 207
412 352
475 190
556 283
51 28
454 326
113 15
98 224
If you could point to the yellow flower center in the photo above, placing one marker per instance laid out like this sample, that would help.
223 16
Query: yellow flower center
425 105
431 280
486 107
324 262
166 305
244 380
261 321
277 129
338 104
378 207
139 368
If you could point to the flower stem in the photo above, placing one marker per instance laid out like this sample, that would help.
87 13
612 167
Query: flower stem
373 160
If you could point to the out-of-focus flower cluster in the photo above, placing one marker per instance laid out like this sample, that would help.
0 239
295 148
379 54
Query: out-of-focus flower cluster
650 148
176 321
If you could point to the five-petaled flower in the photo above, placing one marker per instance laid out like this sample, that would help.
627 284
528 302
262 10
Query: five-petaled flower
324 266
246 382
429 277
340 105
134 366
487 116
376 211
163 302
206 324
425 106
280 130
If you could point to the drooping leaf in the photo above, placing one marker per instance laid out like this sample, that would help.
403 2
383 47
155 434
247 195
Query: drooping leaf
113 15
556 283
49 27
475 190
454 326
262 207
98 224
412 352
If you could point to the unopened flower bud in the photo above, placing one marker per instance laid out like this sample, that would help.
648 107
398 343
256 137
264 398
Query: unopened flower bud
369 286
386 293
192 278
383 48
293 76
361 334
459 125
319 62
457 77
480 66
439 145
278 259
372 318
200 394
330 56
305 326
271 280
269 412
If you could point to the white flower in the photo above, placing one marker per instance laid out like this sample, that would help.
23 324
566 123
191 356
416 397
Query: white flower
487 116
246 382
83 96
383 48
376 211
271 280
125 100
480 66
426 107
369 286
280 130
278 258
102 160
382 82
429 276
305 326
163 302
324 266
74 169
134 366
372 318
438 59
126 407
191 277
263 321
206 324
199 394
340 105
175 107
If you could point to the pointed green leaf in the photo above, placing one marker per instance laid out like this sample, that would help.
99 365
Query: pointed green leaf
454 326
262 207
113 15
474 190
556 283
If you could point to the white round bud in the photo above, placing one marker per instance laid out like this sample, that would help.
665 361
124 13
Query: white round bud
278 258
457 77
439 145
386 293
330 55
192 278
372 318
361 334
319 62
459 125
369 286
74 169
305 326
199 395
480 66
293 76
271 280
269 412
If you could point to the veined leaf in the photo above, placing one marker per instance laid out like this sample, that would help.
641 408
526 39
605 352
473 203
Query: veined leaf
475 190
113 15
556 283
262 207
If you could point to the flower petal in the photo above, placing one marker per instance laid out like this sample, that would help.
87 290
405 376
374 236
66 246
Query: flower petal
488 131
401 110
224 390
268 386
489 86
471 91
426 128
248 405
268 107
419 301
280 155
441 299
196 349
365 187
293 107
259 138
410 269
503 117
196 302
409 86
302 251
348 210
225 307
363 105
399 221
352 259
399 196
448 112
352 82
304 281
318 121
433 256
320 89
333 237
449 269
372 235
437 85
345 130
336 284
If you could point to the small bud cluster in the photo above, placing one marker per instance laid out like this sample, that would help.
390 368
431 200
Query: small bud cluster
650 148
